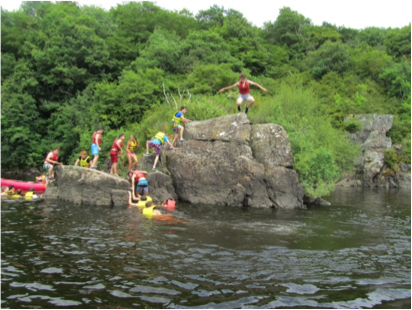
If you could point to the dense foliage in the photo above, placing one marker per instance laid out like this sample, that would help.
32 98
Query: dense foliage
67 69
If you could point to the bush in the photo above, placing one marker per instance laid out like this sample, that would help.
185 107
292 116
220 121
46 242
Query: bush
392 159
352 125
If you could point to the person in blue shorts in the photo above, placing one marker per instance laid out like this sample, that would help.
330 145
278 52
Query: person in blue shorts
159 139
96 142
176 126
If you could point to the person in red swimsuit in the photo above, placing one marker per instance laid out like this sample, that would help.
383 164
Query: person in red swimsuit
115 150
244 91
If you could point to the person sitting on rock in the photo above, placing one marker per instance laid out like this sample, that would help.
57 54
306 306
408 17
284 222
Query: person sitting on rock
115 150
177 127
140 185
83 159
50 161
159 139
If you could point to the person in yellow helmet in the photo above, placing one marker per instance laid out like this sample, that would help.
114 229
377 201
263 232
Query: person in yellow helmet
159 139
83 160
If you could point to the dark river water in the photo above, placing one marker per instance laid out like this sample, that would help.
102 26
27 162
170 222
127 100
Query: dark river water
353 254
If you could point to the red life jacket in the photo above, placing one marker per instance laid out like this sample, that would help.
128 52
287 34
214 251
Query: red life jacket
53 158
244 89
115 146
138 175
98 140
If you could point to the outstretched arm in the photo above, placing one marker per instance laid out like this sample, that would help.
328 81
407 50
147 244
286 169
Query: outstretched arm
262 88
228 87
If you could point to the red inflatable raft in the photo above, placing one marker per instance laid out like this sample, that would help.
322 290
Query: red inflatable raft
39 187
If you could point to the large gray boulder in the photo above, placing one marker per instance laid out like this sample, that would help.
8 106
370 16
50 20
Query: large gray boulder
228 161
86 186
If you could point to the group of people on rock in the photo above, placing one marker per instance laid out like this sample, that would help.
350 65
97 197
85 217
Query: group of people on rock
159 140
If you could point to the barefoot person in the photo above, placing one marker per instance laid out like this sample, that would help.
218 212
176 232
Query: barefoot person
131 144
156 143
50 161
96 142
176 126
115 150
244 91
83 160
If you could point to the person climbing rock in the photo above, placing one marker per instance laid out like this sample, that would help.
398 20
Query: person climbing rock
177 124
156 143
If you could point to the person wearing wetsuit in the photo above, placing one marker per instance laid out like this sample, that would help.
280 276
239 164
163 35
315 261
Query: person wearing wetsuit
244 91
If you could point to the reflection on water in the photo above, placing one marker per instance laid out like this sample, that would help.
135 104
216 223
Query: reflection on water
353 254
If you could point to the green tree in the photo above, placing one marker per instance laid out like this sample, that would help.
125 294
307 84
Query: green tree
398 42
331 56
119 104
289 30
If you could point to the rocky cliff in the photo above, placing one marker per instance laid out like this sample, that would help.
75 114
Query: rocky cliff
226 161
370 168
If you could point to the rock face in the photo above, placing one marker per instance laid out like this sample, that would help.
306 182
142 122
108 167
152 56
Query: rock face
85 186
226 161
370 166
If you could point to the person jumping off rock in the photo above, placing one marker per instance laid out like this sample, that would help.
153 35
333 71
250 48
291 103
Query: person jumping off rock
244 91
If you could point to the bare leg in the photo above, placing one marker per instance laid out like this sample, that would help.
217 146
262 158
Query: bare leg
174 139
95 159
135 161
51 173
181 129
155 161
251 102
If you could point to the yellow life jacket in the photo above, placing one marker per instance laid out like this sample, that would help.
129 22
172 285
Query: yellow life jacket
15 196
84 163
148 211
142 203
160 136
29 195
176 120
132 145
